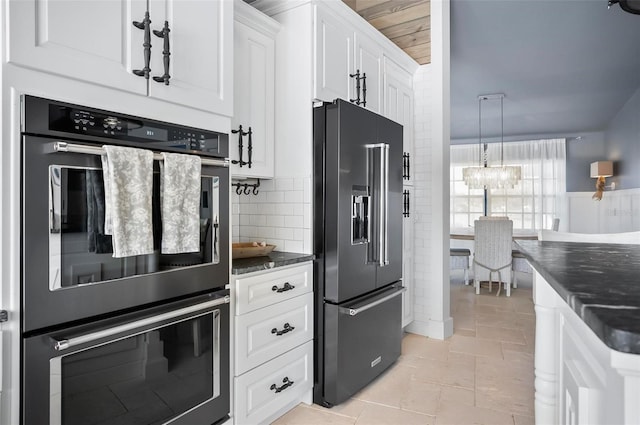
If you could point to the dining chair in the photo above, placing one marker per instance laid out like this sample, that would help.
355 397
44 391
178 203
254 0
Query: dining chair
492 253
459 259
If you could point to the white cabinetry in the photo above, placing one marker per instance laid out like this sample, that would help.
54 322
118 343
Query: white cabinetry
348 63
254 85
578 379
97 42
407 258
398 106
273 342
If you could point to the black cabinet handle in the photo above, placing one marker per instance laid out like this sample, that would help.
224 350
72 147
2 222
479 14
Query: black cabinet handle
406 166
286 384
405 203
357 77
145 25
364 89
4 315
286 287
240 133
287 328
166 52
249 146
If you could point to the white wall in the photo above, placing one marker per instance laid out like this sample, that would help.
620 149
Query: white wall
431 184
618 211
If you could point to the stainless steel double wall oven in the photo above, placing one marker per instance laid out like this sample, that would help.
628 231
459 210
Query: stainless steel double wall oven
133 340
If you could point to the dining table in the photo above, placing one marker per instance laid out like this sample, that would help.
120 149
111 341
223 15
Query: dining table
467 234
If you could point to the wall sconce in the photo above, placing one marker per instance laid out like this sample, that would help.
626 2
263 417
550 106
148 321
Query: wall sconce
600 170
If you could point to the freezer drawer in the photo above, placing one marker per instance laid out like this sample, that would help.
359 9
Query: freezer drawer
362 338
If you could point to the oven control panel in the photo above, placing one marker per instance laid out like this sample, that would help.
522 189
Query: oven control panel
66 119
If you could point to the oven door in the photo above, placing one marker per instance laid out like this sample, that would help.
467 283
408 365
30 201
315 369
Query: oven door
168 365
69 272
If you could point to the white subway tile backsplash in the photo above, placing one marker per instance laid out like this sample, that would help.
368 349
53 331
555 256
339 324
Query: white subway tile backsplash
284 233
275 197
284 184
293 221
293 246
294 196
275 221
280 214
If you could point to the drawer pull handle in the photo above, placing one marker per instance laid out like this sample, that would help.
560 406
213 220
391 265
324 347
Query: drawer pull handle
287 328
286 384
286 287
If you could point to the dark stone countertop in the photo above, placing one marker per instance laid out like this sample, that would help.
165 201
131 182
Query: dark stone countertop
267 262
600 282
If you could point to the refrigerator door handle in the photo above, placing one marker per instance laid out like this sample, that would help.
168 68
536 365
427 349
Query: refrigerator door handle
353 311
379 175
385 199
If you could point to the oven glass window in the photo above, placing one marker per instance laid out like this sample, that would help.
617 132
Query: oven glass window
146 378
81 253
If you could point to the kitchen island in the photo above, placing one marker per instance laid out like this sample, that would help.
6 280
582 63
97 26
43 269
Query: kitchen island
587 358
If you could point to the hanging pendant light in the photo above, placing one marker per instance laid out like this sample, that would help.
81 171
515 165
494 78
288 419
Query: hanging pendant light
483 176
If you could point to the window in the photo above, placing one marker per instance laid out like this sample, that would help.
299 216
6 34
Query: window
532 204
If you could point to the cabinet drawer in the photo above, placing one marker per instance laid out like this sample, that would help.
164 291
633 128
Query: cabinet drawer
256 400
261 289
262 334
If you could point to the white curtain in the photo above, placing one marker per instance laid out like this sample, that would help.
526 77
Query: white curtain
540 196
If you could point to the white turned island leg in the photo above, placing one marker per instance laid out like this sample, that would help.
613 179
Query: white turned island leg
546 368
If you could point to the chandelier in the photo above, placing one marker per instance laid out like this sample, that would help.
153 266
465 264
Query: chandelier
495 177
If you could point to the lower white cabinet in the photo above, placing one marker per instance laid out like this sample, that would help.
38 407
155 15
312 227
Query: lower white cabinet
262 393
270 331
273 349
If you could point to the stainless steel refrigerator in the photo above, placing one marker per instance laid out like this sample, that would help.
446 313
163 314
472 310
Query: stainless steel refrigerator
358 248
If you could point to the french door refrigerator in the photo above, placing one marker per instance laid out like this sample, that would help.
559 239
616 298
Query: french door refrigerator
357 246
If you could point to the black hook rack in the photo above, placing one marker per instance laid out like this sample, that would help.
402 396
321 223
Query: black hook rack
247 188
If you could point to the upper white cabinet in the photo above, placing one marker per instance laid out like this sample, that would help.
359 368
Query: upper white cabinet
254 86
348 64
398 106
98 42
333 56
369 65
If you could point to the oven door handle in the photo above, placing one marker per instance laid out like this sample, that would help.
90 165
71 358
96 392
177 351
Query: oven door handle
65 343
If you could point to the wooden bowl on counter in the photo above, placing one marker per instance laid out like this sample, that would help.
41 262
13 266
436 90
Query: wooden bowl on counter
250 249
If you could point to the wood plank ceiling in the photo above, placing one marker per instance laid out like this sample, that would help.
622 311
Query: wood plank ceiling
405 22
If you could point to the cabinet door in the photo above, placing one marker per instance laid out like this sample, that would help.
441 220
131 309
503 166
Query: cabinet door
201 53
369 63
253 106
407 264
91 41
270 390
333 57
398 106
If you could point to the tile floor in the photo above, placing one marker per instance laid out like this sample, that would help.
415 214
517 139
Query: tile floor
483 374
